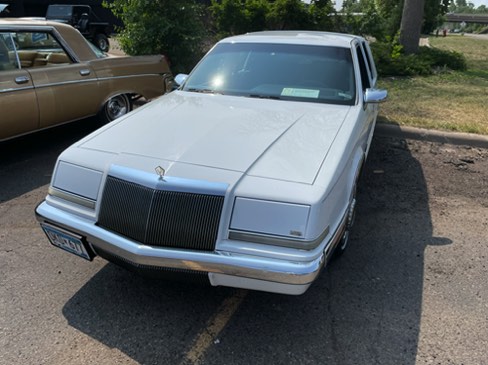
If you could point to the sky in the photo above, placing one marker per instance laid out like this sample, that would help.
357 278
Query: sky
475 2
478 2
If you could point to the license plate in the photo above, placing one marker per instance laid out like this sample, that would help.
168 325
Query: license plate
67 241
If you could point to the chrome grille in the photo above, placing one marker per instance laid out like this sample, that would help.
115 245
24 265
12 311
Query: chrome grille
159 217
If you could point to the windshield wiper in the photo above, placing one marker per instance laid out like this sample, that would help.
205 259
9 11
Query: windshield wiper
203 91
274 97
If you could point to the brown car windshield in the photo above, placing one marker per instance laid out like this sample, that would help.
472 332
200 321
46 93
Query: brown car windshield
277 71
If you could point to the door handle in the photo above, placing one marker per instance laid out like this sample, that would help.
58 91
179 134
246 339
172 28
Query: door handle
84 72
21 80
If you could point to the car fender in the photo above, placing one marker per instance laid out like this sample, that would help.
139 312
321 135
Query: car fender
355 171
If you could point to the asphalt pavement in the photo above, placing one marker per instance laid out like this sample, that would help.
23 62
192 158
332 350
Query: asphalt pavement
411 289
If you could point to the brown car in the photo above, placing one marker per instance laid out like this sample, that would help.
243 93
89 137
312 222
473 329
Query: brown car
49 75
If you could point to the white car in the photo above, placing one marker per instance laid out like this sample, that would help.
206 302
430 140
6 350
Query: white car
245 176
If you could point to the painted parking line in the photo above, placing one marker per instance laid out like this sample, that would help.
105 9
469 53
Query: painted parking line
215 325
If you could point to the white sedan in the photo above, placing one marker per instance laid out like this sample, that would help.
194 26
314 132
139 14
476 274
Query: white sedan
244 177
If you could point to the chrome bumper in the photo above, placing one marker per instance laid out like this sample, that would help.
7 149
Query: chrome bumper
223 268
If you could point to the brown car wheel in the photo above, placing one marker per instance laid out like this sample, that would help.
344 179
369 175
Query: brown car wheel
116 107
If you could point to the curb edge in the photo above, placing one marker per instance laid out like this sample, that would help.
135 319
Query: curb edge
456 138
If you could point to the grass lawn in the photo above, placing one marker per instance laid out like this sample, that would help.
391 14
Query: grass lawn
454 101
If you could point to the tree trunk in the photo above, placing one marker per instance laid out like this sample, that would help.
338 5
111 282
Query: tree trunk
412 18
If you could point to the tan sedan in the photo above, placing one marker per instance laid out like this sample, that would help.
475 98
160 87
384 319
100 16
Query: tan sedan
49 75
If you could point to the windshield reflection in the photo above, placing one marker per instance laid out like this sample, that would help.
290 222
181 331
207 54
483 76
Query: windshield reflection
277 71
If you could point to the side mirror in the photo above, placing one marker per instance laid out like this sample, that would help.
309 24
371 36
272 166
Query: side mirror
375 96
180 79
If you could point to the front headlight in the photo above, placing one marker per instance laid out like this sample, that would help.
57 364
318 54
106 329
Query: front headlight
76 184
270 222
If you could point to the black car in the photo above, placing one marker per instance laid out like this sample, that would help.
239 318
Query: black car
85 20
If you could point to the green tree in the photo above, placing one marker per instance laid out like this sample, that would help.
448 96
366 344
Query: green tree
372 22
289 14
482 9
377 18
352 6
172 28
229 17
462 6
256 12
434 11
322 15
382 18
239 16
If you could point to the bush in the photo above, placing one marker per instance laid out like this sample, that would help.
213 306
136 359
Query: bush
443 59
391 61
229 17
289 15
233 17
172 28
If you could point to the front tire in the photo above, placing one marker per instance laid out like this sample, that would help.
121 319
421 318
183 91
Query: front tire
115 107
351 215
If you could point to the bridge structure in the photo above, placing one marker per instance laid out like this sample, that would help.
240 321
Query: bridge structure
467 18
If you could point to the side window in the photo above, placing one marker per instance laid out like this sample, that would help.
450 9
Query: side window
365 83
369 60
39 49
8 59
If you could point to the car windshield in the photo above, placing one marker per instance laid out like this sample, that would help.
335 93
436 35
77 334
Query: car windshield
277 71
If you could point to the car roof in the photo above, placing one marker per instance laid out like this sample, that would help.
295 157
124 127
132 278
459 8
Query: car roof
30 22
70 36
296 37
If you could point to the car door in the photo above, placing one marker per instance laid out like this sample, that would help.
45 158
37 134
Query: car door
66 90
369 110
18 103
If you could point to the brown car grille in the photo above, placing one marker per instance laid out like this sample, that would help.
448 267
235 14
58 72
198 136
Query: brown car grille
159 217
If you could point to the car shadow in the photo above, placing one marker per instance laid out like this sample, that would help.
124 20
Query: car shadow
27 162
365 308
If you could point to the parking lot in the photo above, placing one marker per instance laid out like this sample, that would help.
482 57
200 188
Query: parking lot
411 289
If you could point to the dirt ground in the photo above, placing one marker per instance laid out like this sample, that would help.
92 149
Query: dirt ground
115 48
450 170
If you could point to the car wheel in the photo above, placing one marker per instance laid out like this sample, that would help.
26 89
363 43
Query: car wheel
116 107
101 41
351 215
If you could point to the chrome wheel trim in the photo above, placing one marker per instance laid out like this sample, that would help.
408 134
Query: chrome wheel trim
116 107
344 240
351 215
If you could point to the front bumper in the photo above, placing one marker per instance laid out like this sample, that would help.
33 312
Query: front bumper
223 268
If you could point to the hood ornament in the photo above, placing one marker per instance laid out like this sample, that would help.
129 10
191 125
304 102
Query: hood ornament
160 171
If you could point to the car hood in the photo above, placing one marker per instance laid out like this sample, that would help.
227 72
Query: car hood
257 137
